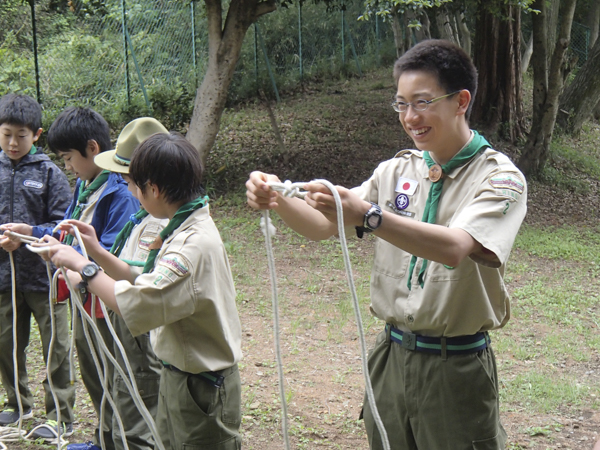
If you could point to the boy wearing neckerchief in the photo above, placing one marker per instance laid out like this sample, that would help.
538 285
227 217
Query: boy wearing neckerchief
185 297
446 216
125 261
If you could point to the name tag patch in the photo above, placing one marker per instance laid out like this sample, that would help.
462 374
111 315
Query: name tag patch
508 181
400 212
33 184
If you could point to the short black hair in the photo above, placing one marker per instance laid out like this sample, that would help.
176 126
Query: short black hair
75 127
449 63
171 163
22 110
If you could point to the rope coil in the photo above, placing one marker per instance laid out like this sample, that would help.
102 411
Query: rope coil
290 189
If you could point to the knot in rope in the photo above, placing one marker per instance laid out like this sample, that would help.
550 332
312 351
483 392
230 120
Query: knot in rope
288 189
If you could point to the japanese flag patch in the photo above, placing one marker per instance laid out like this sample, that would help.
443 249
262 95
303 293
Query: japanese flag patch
406 186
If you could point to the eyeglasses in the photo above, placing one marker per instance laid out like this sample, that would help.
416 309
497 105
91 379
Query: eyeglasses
418 105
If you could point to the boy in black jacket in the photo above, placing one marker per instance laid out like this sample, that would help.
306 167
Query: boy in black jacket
32 190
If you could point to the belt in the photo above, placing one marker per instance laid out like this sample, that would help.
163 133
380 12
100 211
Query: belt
213 378
460 345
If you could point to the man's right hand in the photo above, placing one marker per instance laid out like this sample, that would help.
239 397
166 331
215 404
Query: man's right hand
258 192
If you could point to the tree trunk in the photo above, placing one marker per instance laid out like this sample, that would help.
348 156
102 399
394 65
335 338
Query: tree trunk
527 54
499 98
581 97
465 34
397 30
536 151
224 47
444 25
594 22
423 32
596 112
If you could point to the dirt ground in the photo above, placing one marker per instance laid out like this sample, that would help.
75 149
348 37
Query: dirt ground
321 355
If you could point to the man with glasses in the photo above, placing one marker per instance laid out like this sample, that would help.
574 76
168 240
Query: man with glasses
446 216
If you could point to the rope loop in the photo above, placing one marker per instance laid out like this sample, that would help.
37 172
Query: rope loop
290 189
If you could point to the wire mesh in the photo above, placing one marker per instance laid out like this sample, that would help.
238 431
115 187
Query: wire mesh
128 58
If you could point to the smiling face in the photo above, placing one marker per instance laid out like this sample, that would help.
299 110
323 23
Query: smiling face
16 140
442 128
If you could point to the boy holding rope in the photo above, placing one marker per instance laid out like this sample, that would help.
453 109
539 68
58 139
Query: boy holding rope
184 296
125 261
446 216
34 190
101 199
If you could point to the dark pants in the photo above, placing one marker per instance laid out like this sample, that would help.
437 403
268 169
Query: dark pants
193 414
427 403
36 303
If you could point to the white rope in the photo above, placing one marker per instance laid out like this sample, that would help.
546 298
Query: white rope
10 434
294 189
128 378
268 229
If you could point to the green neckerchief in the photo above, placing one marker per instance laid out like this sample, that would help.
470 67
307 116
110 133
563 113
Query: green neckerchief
180 216
33 150
83 197
134 219
477 144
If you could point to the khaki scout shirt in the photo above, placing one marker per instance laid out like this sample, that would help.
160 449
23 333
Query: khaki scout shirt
188 300
486 198
136 249
88 208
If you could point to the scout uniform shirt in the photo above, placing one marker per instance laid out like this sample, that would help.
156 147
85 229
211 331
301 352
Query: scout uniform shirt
137 246
188 300
485 197
88 209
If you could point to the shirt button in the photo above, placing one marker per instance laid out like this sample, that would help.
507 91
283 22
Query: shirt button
411 319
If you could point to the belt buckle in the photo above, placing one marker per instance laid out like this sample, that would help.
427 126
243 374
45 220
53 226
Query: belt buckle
409 341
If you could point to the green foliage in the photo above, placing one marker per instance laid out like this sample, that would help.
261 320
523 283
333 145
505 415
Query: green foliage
17 71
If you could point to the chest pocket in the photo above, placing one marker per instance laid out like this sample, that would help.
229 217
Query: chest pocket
390 260
439 272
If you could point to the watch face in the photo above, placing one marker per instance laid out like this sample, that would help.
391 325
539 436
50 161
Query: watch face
89 270
373 221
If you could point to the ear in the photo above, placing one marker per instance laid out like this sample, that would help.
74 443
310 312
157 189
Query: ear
37 135
154 190
92 149
464 100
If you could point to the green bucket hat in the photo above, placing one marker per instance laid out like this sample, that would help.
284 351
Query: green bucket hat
134 133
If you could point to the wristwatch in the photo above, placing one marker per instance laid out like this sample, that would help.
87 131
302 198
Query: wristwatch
88 272
371 221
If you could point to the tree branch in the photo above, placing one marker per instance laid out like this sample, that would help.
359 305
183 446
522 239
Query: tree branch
264 8
214 15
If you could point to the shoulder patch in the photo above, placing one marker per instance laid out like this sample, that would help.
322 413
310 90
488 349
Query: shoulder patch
507 181
33 184
175 263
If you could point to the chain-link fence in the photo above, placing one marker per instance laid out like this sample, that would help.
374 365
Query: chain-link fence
128 58
132 57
